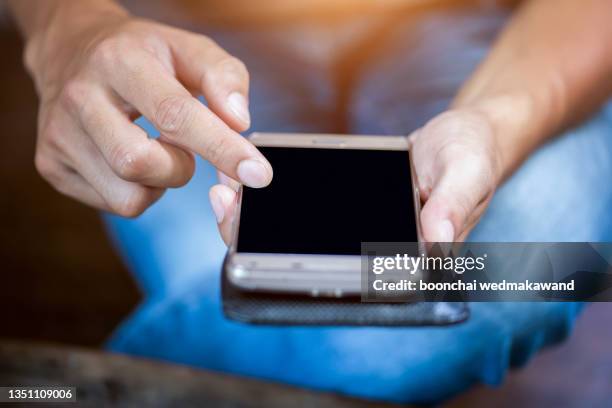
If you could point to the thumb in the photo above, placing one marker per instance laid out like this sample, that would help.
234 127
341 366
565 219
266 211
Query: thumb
453 199
223 202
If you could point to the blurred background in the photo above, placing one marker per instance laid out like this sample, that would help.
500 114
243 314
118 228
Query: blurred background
62 282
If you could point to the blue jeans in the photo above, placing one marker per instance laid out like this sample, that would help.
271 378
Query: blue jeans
562 193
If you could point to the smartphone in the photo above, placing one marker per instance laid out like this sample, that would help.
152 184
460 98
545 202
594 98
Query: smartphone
303 233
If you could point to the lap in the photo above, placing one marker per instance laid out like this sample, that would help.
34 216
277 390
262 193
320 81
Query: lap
397 364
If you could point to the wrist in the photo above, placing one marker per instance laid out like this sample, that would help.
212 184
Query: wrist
516 126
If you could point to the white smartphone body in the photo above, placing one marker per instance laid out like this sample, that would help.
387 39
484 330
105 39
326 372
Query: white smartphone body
303 233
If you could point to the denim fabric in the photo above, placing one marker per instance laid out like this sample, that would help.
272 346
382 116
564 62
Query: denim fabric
562 193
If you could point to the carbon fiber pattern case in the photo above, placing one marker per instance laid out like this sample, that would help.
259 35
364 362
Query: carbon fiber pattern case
261 308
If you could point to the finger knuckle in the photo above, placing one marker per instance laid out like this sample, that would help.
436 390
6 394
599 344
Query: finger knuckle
50 137
133 204
46 167
107 52
131 162
216 150
57 134
173 114
227 70
232 65
75 95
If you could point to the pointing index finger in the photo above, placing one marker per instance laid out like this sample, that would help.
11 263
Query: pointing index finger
186 122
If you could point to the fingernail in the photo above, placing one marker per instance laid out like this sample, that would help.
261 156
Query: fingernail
217 206
445 231
239 107
253 173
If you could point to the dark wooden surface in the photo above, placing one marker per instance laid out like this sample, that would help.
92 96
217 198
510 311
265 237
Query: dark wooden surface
103 379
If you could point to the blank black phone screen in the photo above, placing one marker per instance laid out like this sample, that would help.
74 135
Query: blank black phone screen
328 201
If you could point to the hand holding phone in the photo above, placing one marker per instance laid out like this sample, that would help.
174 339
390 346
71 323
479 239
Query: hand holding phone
458 164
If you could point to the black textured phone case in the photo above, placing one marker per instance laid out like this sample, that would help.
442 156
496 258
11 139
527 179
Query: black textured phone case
264 308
